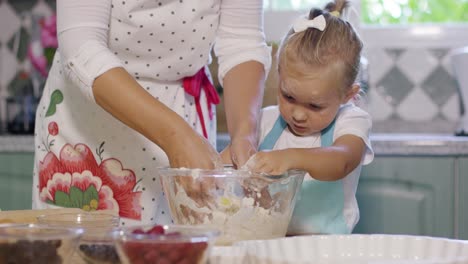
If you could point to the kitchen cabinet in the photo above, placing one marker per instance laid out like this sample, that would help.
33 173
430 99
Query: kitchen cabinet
16 169
462 195
408 195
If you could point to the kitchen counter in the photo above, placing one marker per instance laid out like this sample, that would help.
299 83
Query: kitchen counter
419 145
383 144
409 144
13 143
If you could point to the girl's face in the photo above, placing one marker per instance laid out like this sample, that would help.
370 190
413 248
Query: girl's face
309 103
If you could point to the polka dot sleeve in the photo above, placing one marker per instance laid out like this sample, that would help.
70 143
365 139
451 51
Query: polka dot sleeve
240 35
82 28
91 60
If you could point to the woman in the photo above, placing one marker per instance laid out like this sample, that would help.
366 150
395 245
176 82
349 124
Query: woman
129 91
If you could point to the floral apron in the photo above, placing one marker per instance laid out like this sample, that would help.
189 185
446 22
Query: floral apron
84 157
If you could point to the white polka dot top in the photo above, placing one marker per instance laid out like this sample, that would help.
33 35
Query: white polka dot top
164 42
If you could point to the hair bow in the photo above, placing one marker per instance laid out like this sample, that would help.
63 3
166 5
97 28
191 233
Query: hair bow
303 23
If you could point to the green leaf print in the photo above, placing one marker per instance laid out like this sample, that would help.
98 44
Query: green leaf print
76 197
55 99
91 197
62 199
87 200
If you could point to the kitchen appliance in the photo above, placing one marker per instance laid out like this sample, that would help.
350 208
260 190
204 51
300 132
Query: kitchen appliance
459 59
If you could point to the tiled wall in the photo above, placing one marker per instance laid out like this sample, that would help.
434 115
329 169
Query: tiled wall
412 90
16 25
411 86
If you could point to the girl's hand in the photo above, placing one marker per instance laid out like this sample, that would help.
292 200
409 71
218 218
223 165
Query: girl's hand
273 162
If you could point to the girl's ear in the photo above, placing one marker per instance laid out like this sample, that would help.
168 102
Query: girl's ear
350 93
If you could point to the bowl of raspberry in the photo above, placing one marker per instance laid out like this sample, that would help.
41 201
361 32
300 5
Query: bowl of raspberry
165 244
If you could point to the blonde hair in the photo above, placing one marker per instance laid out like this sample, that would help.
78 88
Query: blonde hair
338 43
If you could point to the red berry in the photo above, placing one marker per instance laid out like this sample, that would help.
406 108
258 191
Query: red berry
185 261
164 261
175 255
138 231
163 248
151 255
156 230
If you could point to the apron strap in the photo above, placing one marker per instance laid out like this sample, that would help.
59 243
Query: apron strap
326 137
270 139
193 86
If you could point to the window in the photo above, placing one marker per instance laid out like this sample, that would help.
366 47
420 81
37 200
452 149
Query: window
386 12
284 5
280 14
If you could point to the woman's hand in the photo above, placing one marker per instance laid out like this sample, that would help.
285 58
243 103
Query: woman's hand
226 155
193 151
273 162
239 151
243 95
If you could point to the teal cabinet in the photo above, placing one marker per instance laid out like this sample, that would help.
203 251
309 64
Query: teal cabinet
462 195
16 171
407 195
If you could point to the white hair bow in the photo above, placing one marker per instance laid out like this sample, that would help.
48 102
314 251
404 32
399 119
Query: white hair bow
303 23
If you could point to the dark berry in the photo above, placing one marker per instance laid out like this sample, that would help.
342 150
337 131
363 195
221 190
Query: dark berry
100 253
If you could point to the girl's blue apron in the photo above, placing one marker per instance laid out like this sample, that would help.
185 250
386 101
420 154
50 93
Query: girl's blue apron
319 208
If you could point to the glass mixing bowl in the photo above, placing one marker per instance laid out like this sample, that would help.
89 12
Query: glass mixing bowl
37 244
241 204
97 245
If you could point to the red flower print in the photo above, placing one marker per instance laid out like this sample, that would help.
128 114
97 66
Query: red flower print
77 180
53 128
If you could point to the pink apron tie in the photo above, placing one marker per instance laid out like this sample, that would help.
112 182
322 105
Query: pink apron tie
193 85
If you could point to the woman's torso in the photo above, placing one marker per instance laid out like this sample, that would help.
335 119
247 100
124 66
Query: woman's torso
163 40
82 151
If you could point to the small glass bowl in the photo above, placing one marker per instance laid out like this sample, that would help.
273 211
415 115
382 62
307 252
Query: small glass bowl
178 244
99 232
32 243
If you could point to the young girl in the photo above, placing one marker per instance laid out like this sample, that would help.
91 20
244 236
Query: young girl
315 127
